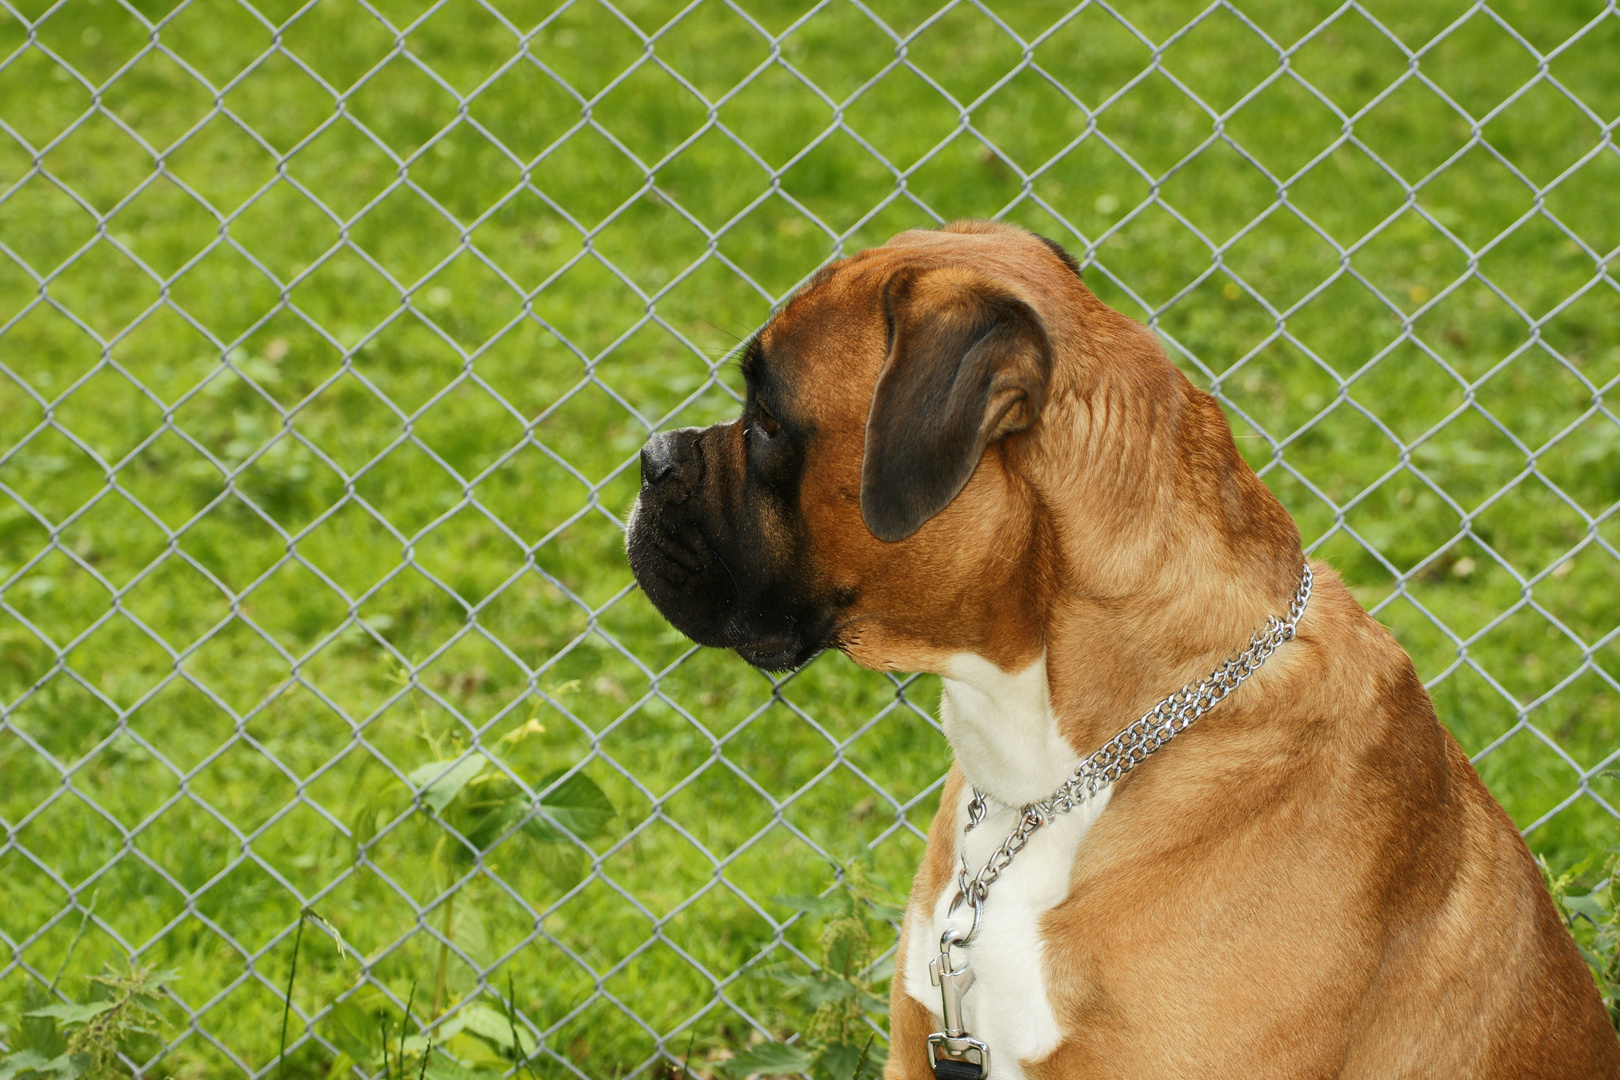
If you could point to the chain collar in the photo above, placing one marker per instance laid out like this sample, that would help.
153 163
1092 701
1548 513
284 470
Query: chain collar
1120 755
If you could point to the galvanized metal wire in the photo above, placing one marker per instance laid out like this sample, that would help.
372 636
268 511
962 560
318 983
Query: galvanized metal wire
34 43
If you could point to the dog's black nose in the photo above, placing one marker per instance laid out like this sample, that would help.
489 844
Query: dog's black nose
658 458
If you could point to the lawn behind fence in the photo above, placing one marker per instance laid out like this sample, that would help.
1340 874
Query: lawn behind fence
313 453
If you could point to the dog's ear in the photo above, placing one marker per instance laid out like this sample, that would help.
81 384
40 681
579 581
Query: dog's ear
968 364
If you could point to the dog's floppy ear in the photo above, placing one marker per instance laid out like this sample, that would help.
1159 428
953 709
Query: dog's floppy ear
968 364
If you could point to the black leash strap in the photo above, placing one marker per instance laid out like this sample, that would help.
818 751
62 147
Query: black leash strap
946 1069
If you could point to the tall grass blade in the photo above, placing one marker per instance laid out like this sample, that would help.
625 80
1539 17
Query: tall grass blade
84 920
286 1005
405 1023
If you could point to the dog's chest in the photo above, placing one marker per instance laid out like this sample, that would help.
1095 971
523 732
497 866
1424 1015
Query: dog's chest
1005 741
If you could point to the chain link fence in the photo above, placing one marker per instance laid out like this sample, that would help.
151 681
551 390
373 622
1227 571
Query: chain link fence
328 335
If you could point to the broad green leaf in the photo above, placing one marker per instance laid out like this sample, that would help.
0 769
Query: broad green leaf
540 829
72 1013
490 821
472 1052
831 904
37 1033
767 1059
29 1064
438 781
564 865
442 1068
817 990
447 1030
23 1063
354 1031
376 800
496 1027
576 805
846 1061
156 982
887 912
471 935
1591 906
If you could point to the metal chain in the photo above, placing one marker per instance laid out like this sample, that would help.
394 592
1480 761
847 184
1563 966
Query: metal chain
1122 753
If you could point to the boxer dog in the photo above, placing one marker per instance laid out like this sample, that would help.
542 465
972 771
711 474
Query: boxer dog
954 458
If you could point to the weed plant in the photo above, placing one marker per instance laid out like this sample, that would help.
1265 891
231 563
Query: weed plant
431 394
59 1038
1592 912
838 1006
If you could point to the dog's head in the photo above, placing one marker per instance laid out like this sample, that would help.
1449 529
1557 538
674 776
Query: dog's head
868 497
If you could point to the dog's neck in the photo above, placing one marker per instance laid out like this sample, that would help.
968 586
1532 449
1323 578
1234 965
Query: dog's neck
1002 730
1013 744
1152 553
1165 551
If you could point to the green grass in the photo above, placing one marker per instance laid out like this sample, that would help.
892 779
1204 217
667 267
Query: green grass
367 528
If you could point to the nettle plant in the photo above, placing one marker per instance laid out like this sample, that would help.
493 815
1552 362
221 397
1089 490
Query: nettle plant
844 997
82 1040
1593 916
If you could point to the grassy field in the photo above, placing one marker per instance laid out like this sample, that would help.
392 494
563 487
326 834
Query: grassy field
322 373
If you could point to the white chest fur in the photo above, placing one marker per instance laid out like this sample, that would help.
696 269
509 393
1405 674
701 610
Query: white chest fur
1006 741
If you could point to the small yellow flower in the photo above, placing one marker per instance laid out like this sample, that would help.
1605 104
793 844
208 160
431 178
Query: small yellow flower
533 727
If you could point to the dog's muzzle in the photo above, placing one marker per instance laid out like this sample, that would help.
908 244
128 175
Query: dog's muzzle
699 571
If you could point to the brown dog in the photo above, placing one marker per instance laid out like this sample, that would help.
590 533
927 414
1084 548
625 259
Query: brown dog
953 458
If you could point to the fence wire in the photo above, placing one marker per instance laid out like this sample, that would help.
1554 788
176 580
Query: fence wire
331 330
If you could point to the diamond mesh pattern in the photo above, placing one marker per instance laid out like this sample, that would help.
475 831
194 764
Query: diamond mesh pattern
329 332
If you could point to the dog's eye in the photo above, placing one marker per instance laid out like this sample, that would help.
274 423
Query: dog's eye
767 423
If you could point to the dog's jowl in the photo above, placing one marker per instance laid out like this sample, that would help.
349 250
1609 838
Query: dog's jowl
953 458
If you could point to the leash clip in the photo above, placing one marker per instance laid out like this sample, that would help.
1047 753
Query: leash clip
953 1054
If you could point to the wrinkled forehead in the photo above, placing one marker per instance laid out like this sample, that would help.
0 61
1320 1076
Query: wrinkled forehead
819 357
